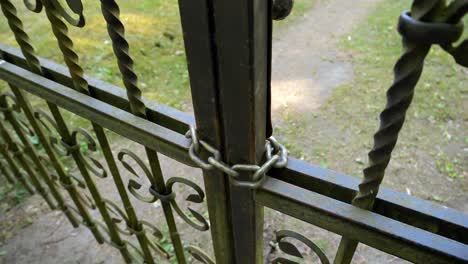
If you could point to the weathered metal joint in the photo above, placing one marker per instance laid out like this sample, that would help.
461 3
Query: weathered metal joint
70 148
66 185
119 246
444 31
166 198
137 231
91 225
428 33
276 156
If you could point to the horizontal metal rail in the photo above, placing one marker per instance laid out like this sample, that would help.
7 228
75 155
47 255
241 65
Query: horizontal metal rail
149 134
166 135
370 228
398 206
408 209
105 92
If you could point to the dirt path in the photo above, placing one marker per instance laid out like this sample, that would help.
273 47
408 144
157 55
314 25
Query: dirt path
307 64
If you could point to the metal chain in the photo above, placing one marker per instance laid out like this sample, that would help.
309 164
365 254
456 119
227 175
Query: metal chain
276 157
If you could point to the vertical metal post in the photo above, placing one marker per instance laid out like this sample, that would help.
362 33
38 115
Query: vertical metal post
197 24
242 41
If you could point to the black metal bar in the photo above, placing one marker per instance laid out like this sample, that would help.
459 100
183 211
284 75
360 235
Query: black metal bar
398 206
241 37
377 231
198 28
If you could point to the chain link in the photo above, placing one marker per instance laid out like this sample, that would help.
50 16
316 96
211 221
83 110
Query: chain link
276 157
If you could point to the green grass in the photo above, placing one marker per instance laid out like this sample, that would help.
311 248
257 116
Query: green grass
154 32
437 117
342 129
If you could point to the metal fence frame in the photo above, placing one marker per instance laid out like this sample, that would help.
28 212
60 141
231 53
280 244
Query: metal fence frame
228 47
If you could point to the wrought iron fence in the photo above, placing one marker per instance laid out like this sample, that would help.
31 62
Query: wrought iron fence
228 47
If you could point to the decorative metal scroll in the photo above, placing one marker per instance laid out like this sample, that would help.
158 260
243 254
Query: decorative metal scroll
133 185
195 219
200 222
199 255
290 249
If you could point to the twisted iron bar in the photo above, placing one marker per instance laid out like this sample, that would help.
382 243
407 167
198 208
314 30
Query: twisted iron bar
116 30
425 25
34 65
407 72
65 43
71 58
81 85
18 154
28 51
22 38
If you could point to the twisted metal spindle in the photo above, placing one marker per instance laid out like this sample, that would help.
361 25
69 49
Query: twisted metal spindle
407 72
65 43
71 58
33 62
22 38
116 30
